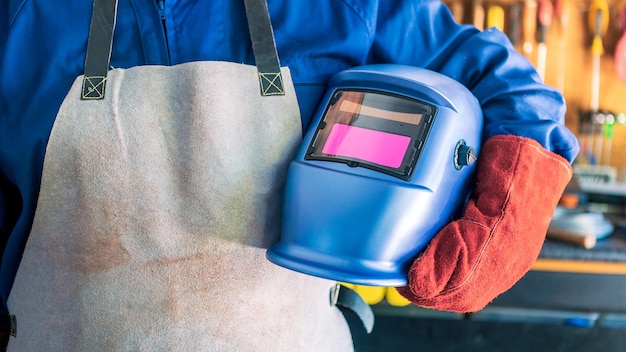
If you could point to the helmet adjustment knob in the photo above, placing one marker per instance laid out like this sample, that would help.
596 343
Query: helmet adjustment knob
463 155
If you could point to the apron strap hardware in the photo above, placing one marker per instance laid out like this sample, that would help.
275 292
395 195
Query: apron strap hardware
347 298
100 44
264 47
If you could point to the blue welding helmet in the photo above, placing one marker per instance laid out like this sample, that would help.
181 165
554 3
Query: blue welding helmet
388 161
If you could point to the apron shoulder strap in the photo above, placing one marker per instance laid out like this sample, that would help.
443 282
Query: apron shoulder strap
264 47
99 47
100 44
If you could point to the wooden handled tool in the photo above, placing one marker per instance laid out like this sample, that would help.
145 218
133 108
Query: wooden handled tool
478 14
514 28
544 19
620 48
585 241
529 26
495 17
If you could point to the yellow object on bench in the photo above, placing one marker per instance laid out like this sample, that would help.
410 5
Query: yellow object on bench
375 294
395 299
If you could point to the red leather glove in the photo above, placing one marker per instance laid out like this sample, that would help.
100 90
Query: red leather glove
496 241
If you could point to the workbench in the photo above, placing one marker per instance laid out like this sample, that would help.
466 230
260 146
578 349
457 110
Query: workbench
571 278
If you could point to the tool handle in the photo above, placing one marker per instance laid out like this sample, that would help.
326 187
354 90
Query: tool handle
598 17
544 18
515 12
585 241
495 17
529 25
478 14
458 11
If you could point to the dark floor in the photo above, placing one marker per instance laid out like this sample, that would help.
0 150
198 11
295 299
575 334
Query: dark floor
396 333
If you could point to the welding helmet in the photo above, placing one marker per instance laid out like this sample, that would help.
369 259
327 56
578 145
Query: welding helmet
387 162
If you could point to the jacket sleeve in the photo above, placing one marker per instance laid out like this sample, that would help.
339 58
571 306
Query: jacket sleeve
4 26
4 222
509 89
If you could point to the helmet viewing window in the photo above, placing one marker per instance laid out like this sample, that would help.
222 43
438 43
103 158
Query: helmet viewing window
379 131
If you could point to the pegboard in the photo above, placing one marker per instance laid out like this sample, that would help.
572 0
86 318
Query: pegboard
568 58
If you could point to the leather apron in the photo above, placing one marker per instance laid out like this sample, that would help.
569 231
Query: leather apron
157 204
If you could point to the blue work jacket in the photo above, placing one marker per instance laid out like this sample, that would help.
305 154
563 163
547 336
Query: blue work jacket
43 44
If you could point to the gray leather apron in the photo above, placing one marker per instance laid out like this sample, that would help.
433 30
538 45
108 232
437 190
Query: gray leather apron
157 203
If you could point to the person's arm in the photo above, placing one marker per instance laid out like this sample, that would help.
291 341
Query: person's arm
523 166
513 99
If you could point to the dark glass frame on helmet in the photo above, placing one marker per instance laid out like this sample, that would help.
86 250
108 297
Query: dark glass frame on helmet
379 131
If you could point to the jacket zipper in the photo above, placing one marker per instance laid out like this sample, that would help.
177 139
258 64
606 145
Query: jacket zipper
161 7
